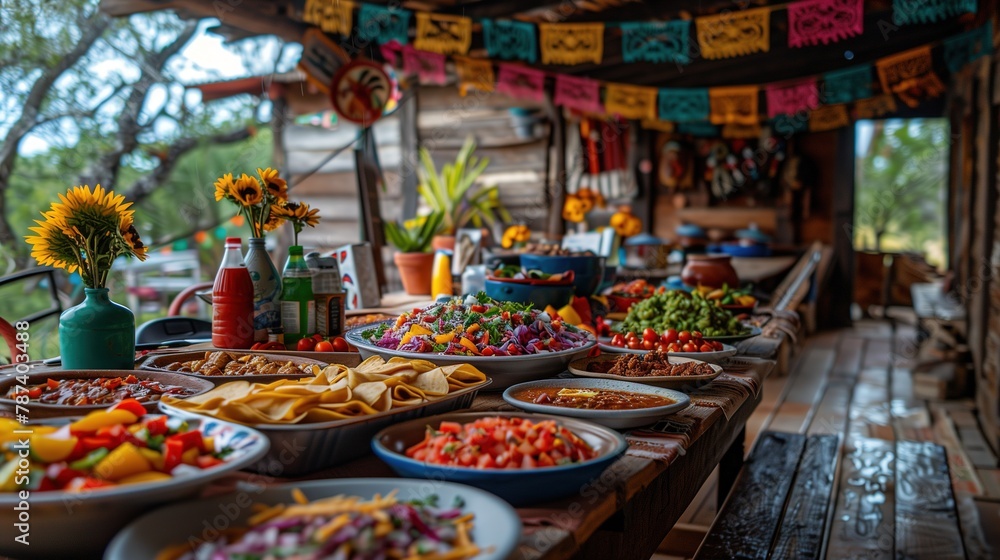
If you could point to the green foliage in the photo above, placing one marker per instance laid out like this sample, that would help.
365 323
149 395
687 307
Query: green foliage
901 188
451 191
414 238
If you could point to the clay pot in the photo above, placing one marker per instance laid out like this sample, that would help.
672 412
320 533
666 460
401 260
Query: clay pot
712 270
415 271
443 242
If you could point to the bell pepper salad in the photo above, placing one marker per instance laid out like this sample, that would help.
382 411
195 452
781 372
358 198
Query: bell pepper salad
501 443
477 326
115 446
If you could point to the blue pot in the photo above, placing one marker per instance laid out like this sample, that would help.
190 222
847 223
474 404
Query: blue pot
97 334
538 294
588 269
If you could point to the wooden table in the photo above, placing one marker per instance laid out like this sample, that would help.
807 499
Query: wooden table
629 509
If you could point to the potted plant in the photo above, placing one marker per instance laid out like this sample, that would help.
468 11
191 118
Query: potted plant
451 192
413 258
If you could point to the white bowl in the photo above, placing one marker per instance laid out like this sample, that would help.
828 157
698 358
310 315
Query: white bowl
676 382
618 419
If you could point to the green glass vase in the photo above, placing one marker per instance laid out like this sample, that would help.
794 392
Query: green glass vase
97 334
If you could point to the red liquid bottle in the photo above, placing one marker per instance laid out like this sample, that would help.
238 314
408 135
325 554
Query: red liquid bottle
232 300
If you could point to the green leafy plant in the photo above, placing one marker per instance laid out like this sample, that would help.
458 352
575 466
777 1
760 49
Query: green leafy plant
414 236
451 191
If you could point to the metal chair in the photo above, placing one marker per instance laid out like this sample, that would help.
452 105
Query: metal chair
173 326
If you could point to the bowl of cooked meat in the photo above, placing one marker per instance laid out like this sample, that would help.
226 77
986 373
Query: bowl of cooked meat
220 366
654 368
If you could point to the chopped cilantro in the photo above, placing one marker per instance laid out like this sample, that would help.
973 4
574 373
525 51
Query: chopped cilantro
439 347
482 298
376 333
458 502
472 319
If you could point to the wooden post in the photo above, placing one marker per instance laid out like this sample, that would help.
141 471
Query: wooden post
557 186
369 174
409 161
843 224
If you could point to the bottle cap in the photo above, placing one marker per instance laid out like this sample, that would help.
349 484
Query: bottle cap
234 241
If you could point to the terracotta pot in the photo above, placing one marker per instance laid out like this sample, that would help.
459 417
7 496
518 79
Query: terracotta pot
443 242
711 270
415 271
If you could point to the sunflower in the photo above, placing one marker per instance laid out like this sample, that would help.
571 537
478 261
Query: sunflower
275 219
247 191
277 186
86 231
224 187
301 215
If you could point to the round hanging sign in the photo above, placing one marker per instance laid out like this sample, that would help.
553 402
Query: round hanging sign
360 91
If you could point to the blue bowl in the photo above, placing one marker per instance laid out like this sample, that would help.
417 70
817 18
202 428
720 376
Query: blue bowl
519 487
589 269
737 250
538 294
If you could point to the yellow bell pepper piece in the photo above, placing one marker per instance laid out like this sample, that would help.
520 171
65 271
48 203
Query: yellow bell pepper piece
552 311
468 344
124 461
96 420
569 315
419 329
148 476
8 476
209 442
472 328
154 457
716 294
190 457
444 338
51 449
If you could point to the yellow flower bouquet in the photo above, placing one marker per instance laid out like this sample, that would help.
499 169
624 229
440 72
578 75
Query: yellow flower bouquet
86 231
256 198
299 214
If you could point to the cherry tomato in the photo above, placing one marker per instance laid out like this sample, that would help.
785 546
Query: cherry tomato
689 347
618 340
631 336
683 337
324 346
670 335
340 345
306 344
649 335
317 337
696 335
706 347
647 344
717 345
633 344
673 347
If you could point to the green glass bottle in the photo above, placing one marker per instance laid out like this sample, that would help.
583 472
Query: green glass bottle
298 309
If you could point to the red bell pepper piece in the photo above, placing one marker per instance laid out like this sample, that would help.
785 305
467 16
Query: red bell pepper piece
131 405
34 392
97 442
189 440
207 461
173 449
157 426
53 384
582 307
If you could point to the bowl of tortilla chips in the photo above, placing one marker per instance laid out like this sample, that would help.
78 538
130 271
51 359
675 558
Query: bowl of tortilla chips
318 422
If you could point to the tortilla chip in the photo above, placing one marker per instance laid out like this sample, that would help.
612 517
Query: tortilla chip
431 382
375 394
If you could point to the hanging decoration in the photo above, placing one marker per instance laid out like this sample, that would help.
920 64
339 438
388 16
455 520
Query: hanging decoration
631 102
741 131
683 105
905 12
321 58
521 82
474 73
392 54
657 41
510 40
360 91
733 105
812 22
571 43
828 117
786 125
788 99
875 107
443 34
843 86
735 33
581 94
662 126
963 49
701 128
910 75
382 24
428 67
332 16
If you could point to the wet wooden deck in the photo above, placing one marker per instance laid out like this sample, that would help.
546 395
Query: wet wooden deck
856 384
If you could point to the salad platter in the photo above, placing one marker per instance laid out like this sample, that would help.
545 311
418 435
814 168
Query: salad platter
89 495
439 520
508 341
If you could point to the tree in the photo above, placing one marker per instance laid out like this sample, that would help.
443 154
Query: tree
900 184
103 96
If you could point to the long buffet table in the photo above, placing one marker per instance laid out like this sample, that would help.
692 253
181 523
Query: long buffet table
629 509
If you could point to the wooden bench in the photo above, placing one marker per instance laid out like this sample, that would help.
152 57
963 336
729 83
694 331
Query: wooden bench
784 503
